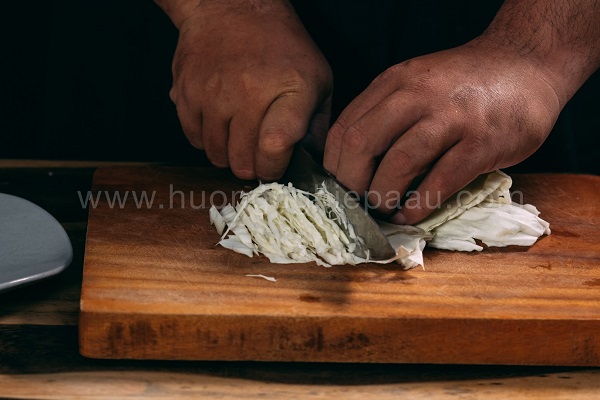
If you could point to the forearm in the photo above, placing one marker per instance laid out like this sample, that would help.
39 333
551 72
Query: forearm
561 36
179 10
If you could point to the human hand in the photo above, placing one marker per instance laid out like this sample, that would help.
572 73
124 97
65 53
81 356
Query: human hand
450 116
249 83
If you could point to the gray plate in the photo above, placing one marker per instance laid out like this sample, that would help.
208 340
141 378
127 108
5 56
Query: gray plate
33 245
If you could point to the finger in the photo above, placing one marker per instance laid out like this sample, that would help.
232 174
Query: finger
410 156
452 172
314 141
284 124
215 135
243 139
378 90
191 124
370 136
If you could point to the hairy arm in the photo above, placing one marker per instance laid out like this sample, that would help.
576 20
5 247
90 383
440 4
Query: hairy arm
561 36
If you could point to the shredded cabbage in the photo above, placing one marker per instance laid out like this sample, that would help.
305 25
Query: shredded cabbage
288 225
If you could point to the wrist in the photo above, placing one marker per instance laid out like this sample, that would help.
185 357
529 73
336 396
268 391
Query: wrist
178 10
560 40
181 10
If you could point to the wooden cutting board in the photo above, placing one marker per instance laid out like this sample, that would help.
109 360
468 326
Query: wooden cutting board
155 286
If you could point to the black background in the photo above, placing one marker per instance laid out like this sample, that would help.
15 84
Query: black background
90 79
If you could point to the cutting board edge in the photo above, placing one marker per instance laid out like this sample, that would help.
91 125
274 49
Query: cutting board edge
227 338
580 341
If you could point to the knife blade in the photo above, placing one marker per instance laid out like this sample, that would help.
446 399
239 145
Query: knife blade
306 174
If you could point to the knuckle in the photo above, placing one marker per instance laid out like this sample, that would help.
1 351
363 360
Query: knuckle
214 84
482 144
400 161
187 94
478 155
294 80
247 83
356 139
390 74
173 95
431 133
336 134
275 141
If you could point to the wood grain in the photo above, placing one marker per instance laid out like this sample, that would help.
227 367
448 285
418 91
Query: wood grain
39 355
173 385
155 286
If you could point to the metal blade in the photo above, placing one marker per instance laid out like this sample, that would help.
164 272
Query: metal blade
305 174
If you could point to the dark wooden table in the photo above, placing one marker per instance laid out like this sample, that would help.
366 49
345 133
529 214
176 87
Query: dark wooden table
39 356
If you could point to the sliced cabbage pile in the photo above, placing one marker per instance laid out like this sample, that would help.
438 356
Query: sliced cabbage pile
288 225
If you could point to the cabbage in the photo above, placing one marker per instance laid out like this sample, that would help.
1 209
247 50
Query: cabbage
288 225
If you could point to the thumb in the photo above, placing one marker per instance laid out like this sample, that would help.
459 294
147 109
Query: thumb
285 123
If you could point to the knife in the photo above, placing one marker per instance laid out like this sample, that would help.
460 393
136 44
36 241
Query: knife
305 174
